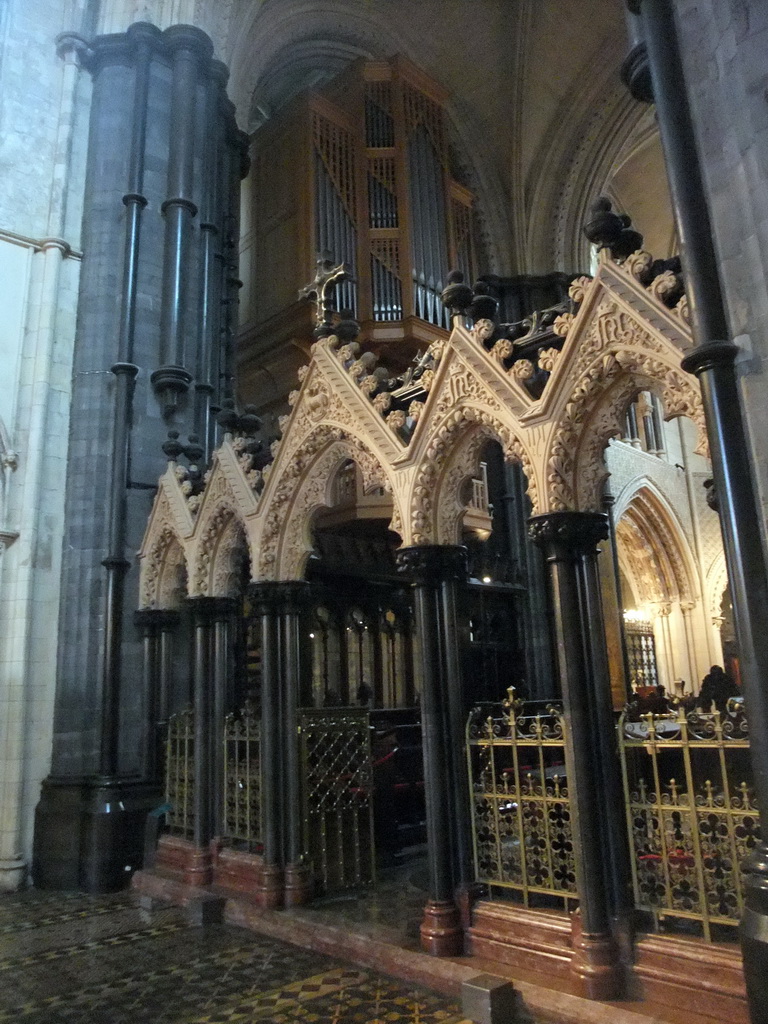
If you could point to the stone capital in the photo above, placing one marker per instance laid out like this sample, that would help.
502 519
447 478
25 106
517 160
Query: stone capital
432 563
568 534
154 620
207 610
276 596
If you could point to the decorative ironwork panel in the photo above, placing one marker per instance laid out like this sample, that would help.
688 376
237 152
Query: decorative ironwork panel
691 814
180 772
337 793
241 813
641 653
521 817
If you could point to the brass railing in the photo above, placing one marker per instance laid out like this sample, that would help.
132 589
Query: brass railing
337 789
691 815
241 803
180 772
521 821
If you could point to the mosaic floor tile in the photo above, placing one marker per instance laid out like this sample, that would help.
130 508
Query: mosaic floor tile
73 959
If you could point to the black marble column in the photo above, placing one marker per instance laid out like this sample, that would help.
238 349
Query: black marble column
279 605
265 608
533 608
569 541
157 627
222 684
713 361
435 573
293 597
158 101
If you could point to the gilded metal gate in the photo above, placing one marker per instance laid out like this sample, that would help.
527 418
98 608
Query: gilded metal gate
180 772
521 817
691 815
337 796
241 803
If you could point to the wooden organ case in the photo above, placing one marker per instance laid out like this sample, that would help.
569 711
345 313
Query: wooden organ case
361 170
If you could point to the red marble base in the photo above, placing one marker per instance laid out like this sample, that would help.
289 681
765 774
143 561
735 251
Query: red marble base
298 885
193 863
270 892
524 939
237 870
441 931
595 965
676 971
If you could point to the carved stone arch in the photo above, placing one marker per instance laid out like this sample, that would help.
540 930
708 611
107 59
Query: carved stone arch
617 358
656 547
221 549
449 457
163 577
163 557
305 486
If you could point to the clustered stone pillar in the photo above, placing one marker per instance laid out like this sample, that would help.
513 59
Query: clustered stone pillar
279 606
163 144
569 541
435 573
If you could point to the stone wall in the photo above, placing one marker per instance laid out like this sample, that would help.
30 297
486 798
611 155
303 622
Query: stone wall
725 43
43 112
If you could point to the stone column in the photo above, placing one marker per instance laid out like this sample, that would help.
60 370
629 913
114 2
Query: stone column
569 541
686 610
663 611
435 573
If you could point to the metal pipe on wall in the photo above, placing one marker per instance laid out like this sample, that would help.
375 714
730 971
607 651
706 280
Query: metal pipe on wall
187 46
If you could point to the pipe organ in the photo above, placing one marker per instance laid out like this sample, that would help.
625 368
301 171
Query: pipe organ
362 171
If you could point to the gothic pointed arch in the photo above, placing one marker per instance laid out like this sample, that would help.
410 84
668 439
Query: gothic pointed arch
220 545
450 459
304 487
164 552
622 340
653 547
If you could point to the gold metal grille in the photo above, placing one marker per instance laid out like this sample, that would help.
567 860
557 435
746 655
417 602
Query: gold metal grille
337 795
180 772
691 814
521 819
241 817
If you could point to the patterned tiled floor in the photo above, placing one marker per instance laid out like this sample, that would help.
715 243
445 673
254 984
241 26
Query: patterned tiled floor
72 959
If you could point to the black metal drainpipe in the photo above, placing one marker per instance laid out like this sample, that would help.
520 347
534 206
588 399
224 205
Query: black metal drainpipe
189 47
713 362
125 372
208 240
